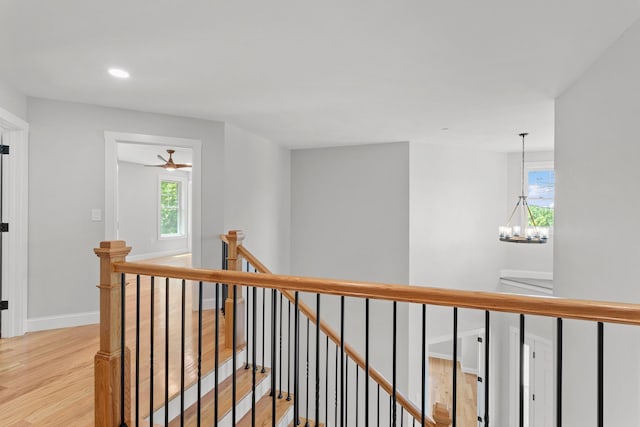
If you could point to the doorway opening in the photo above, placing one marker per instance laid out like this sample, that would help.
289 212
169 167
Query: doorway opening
134 205
154 203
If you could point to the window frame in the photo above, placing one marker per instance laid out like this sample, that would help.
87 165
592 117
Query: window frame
540 166
182 207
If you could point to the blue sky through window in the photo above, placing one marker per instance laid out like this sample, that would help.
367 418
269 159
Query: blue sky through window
542 188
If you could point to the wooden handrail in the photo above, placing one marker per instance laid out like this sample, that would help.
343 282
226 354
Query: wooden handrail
415 412
596 311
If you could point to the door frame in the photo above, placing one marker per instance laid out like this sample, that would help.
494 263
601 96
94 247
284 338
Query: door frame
111 182
15 281
514 368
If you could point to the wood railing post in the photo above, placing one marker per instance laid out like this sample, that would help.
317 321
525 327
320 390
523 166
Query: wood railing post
441 415
234 263
107 361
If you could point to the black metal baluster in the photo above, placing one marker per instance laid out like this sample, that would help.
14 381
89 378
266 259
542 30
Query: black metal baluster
424 365
307 369
182 353
600 374
253 360
521 375
246 366
216 356
395 360
402 416
280 365
296 361
487 348
378 424
317 360
559 374
357 390
151 344
454 396
199 352
289 354
225 266
123 284
274 320
264 296
335 406
342 420
326 382
346 390
166 352
137 400
234 381
366 362
246 348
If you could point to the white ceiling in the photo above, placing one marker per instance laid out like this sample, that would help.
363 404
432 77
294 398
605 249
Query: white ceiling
147 154
319 73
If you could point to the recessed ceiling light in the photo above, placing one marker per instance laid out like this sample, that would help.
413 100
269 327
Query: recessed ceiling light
119 73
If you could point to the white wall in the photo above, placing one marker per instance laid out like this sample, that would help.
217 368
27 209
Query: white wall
597 210
258 195
66 181
13 100
457 198
138 196
350 220
536 258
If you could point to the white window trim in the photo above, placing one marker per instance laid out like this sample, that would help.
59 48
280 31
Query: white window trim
184 214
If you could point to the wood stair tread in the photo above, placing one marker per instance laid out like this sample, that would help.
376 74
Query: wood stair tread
243 389
263 411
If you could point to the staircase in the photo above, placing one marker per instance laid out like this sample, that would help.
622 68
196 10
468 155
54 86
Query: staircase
166 359
177 399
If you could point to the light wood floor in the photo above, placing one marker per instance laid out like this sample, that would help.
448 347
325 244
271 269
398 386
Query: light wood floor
441 390
46 378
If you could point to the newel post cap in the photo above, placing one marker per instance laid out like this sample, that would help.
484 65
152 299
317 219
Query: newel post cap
236 235
112 248
441 414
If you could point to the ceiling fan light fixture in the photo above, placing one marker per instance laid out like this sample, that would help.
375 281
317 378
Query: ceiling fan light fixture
169 164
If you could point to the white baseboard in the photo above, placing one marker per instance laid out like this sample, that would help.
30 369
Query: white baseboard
440 356
461 334
62 321
471 371
152 255
208 304
540 275
465 369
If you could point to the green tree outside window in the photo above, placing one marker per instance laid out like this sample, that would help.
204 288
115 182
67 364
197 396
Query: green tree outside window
541 194
169 208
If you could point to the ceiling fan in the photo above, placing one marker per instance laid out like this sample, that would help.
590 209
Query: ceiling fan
170 164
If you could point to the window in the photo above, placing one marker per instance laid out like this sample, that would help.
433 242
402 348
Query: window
541 189
171 208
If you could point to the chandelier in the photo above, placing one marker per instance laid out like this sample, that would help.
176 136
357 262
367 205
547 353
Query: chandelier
525 229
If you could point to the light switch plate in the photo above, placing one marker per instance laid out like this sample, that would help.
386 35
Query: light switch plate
96 214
